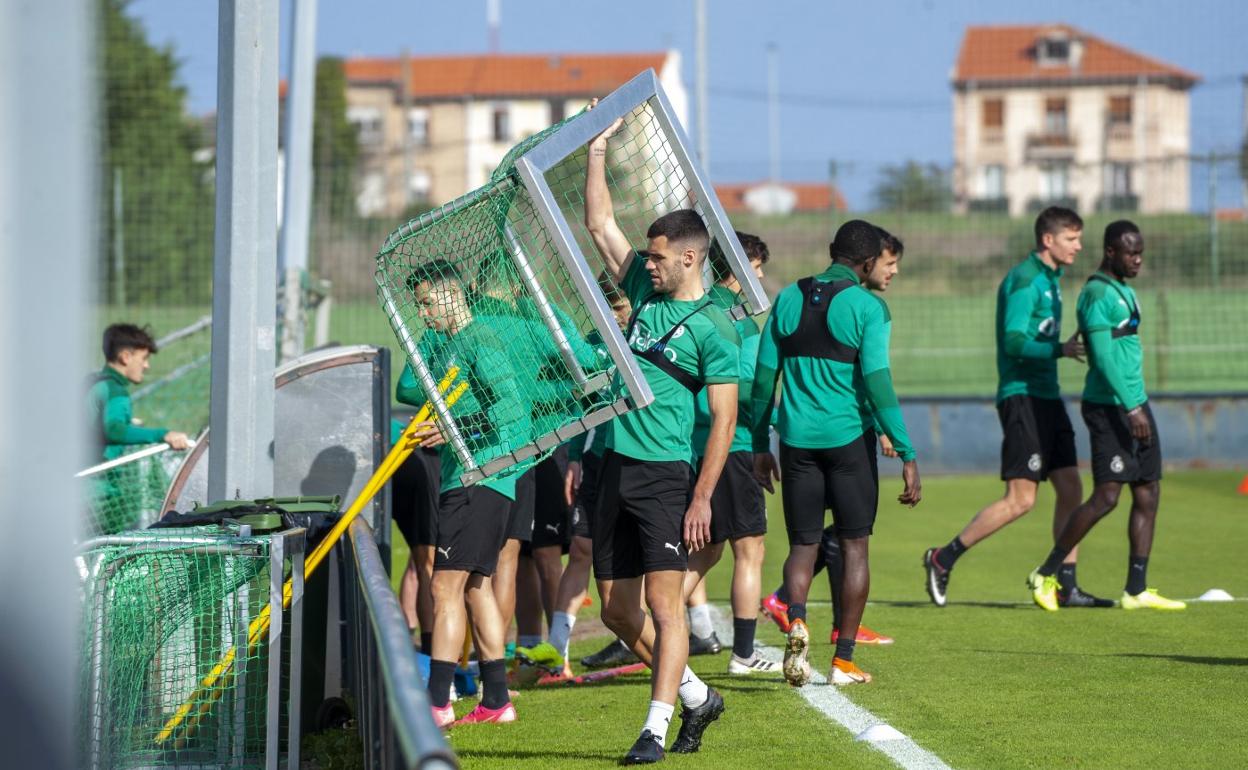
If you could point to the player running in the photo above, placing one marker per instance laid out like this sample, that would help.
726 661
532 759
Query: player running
646 524
471 521
1125 445
1038 440
827 338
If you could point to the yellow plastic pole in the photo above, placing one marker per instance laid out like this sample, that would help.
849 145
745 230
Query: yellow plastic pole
217 680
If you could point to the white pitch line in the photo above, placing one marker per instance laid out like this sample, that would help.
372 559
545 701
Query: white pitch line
826 698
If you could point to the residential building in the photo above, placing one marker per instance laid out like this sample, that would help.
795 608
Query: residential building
1051 114
782 198
432 128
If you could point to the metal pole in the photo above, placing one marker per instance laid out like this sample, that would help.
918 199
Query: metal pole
544 309
119 243
700 76
273 695
297 191
1214 268
48 194
773 111
244 262
494 23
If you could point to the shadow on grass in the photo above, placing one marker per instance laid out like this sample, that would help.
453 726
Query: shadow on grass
1200 660
988 605
1197 659
552 755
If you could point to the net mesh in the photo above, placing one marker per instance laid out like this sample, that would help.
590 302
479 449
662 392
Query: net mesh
158 615
129 496
506 275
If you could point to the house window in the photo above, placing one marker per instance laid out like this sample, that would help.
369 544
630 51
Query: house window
418 126
419 185
371 198
1055 116
1055 182
1119 182
992 181
367 122
1053 51
502 123
557 111
1119 111
994 113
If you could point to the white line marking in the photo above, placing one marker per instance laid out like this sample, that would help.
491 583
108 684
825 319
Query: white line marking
835 706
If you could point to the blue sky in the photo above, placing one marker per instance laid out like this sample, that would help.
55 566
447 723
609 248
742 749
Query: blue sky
866 84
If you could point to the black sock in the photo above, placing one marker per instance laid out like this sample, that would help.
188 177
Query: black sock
1066 577
441 675
782 593
1137 575
426 642
494 684
830 547
1054 562
797 612
743 636
845 648
948 556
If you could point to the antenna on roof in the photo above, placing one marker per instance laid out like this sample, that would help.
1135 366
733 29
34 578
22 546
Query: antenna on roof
493 22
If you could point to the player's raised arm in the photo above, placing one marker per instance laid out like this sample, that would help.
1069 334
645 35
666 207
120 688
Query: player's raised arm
762 402
599 212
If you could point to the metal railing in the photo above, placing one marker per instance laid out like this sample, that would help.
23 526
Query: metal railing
391 704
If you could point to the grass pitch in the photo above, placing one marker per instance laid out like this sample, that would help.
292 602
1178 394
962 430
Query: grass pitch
987 682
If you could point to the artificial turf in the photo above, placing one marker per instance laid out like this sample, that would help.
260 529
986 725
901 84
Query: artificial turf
988 681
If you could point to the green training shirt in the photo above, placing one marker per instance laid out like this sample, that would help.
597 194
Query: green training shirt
747 333
1115 365
826 403
493 399
1029 330
109 409
704 346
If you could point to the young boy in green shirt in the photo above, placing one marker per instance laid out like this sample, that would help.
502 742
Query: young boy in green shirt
127 353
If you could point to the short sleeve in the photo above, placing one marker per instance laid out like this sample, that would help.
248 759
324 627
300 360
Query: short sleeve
719 350
636 282
1094 312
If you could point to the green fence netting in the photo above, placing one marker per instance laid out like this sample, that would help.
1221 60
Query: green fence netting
159 613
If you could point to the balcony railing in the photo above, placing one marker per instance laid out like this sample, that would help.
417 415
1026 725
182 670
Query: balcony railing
1050 145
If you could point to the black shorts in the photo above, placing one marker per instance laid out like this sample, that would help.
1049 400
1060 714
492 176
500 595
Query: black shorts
414 497
586 494
520 518
738 508
638 525
552 517
1116 455
1037 437
472 526
844 479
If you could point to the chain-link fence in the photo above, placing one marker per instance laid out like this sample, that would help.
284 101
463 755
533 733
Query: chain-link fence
384 152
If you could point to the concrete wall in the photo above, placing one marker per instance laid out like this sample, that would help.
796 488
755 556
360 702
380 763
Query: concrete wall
964 435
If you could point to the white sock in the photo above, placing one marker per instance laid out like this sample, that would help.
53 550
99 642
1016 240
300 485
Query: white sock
700 621
561 624
658 719
528 641
693 691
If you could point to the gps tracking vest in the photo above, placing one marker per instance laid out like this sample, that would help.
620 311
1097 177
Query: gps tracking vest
1132 324
654 353
812 338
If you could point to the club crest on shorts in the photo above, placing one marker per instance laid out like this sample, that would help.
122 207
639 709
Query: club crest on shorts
1116 465
1033 462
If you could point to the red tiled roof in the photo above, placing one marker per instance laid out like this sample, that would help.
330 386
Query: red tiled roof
1008 53
441 77
811 196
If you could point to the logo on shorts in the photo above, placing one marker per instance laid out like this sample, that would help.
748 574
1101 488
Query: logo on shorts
1116 465
446 552
1033 462
553 528
576 515
675 548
